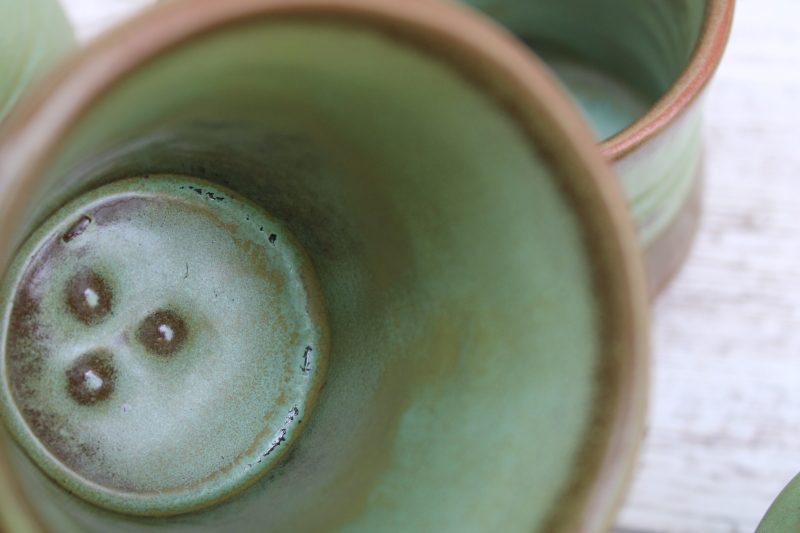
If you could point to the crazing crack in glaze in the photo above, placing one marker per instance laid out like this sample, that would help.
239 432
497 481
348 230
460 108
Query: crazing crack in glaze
281 436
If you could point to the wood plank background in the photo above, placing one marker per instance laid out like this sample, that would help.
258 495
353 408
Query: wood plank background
724 424
724 434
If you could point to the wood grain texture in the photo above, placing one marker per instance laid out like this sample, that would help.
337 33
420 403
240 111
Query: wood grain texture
724 424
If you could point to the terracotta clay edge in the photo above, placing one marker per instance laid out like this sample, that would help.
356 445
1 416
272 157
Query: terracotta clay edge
698 72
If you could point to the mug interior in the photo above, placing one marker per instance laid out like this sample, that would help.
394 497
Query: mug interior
36 34
617 58
469 353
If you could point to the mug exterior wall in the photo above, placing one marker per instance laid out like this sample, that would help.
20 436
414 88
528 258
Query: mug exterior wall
674 124
662 180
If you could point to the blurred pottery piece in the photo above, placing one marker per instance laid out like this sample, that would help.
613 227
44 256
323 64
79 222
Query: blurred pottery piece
638 70
313 265
783 516
35 34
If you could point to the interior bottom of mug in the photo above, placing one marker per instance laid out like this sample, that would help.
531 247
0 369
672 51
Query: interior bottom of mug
138 318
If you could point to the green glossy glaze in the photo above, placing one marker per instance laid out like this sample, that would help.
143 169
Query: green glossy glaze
137 319
34 34
477 357
783 515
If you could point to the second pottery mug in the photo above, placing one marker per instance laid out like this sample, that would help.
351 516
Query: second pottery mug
313 265
783 516
638 69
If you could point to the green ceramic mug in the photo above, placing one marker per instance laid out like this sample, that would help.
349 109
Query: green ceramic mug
783 516
638 70
313 265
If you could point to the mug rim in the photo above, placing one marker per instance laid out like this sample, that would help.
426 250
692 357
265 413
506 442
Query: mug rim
704 61
486 57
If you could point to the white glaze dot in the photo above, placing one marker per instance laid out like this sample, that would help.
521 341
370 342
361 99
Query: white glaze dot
91 297
166 331
92 380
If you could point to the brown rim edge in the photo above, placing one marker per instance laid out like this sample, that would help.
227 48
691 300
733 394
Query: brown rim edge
485 56
702 65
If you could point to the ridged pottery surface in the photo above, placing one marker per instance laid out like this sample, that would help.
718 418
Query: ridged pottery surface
783 516
348 266
637 70
34 34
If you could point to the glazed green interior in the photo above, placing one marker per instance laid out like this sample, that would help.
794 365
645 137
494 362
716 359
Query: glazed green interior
617 57
464 324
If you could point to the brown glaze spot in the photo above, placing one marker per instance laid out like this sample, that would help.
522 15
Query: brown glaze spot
77 228
163 332
92 377
89 297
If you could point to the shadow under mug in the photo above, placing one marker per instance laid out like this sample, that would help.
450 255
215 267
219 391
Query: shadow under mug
463 345
638 69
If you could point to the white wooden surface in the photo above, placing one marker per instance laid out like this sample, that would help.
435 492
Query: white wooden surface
724 433
724 428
